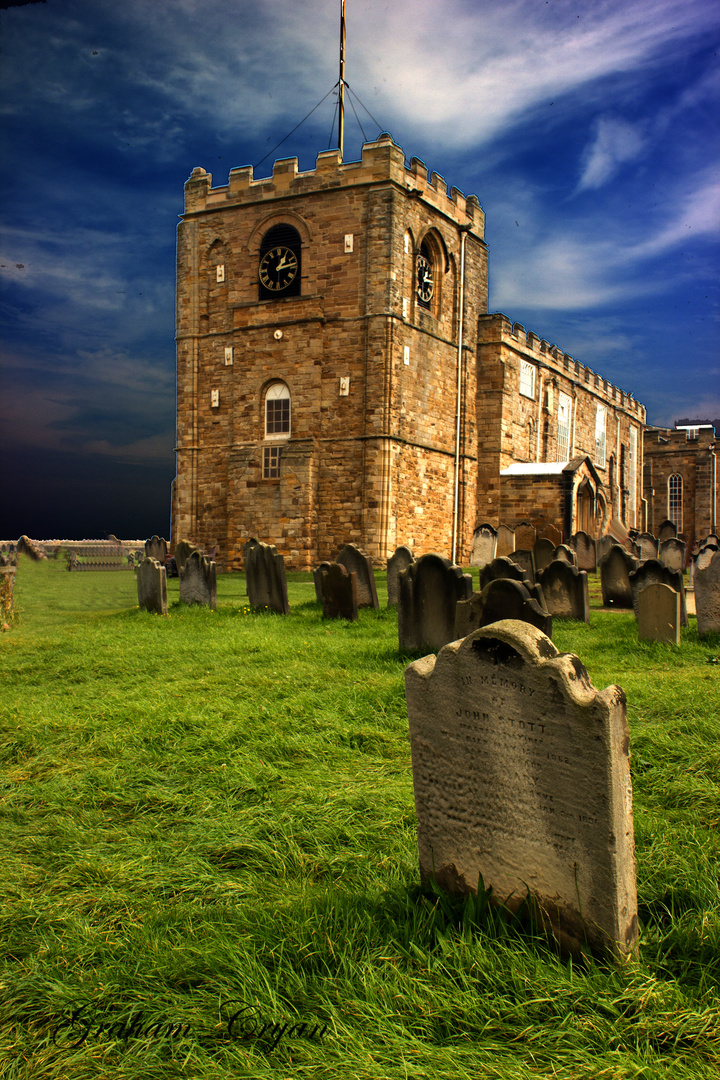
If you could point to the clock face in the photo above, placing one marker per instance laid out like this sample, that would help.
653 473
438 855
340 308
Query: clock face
278 268
424 280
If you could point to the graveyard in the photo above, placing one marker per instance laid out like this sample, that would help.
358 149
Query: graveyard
211 859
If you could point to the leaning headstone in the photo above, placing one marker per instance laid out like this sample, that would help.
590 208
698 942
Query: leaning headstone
521 773
667 531
672 554
429 591
183 549
502 567
317 579
648 545
566 553
156 548
339 593
586 551
615 569
652 571
707 596
501 599
565 591
401 558
152 587
659 614
525 536
484 545
543 551
524 558
505 541
198 581
265 577
357 562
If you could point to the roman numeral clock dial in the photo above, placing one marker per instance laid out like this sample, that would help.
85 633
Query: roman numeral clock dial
278 268
424 280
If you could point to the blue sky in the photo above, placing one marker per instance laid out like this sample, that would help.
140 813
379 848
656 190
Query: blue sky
588 131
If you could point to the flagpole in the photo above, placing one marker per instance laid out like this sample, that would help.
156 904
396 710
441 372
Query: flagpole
341 110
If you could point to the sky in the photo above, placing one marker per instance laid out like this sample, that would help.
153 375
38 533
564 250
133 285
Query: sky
587 130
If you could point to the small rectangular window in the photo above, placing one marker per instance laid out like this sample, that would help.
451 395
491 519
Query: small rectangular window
271 462
600 418
527 379
675 500
278 416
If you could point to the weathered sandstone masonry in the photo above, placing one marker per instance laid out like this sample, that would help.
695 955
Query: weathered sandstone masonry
681 479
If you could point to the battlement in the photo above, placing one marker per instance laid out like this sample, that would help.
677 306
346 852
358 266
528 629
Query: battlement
498 327
381 160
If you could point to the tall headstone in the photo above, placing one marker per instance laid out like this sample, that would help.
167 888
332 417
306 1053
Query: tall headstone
152 587
521 772
652 571
339 593
615 569
603 546
659 614
551 532
401 558
565 591
502 567
586 551
501 599
429 591
543 550
484 545
356 561
265 577
505 541
672 554
198 581
707 596
156 548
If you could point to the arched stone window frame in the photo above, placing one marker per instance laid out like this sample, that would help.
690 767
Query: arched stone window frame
675 500
432 248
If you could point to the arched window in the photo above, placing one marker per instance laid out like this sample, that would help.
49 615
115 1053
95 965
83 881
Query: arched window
280 266
675 500
277 427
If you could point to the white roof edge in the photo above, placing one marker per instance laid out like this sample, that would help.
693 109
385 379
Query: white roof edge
534 468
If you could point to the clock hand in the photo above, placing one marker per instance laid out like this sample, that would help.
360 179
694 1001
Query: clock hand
282 264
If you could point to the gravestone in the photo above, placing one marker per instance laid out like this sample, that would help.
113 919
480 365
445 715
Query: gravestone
565 591
704 556
317 579
525 536
156 548
707 596
357 562
183 549
551 532
566 553
152 587
502 567
524 558
521 774
659 614
652 571
505 541
401 558
339 593
265 577
667 531
586 551
711 538
198 581
484 545
501 599
429 591
648 545
672 554
615 569
543 551
603 546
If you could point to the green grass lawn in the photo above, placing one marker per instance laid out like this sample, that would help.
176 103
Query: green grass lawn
211 815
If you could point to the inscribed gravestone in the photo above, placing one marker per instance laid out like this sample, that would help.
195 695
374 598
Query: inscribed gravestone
156 548
265 577
198 581
500 599
648 545
543 551
505 541
152 587
502 567
672 554
524 536
551 532
339 593
429 590
357 562
707 596
586 551
615 569
521 775
484 545
565 591
659 614
652 571
401 558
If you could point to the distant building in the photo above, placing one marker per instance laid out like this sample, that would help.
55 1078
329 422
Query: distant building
681 477
340 379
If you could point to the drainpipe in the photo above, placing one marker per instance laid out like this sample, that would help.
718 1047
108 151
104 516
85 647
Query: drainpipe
458 413
539 419
713 504
643 500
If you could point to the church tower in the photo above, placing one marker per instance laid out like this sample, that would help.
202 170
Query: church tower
326 359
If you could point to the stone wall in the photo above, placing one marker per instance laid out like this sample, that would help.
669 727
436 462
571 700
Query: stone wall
691 455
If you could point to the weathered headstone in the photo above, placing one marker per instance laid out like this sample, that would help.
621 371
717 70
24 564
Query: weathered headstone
502 567
198 581
401 558
667 531
707 596
521 774
672 554
152 587
586 551
659 614
566 553
265 577
317 579
652 571
603 546
543 550
356 561
505 541
615 569
551 532
648 545
429 591
156 548
183 549
565 591
705 556
525 536
339 593
484 545
524 558
501 598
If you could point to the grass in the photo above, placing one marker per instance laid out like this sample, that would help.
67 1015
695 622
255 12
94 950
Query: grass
213 812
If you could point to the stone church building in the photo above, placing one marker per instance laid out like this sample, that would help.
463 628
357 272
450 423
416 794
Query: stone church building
339 377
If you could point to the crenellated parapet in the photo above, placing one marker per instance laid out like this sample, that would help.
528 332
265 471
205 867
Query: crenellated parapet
381 161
